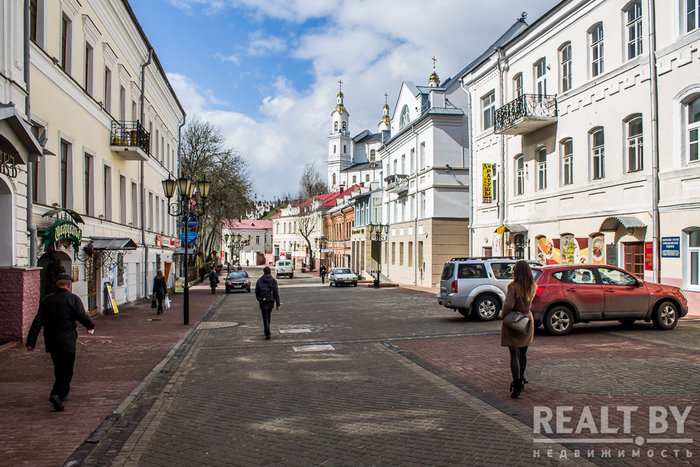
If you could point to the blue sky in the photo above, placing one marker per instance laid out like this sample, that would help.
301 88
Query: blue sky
265 71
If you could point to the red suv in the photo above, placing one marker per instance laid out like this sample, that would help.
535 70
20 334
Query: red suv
568 294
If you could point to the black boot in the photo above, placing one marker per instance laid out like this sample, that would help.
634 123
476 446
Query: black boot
516 387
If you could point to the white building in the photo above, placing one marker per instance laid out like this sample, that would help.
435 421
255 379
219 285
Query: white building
108 118
586 120
249 241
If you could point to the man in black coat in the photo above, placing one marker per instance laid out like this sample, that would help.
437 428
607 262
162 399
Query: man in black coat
58 313
268 295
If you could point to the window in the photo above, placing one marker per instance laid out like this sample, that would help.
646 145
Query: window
597 155
88 68
422 204
66 38
403 163
488 106
367 178
122 103
693 130
567 162
410 254
503 270
405 117
412 160
134 111
393 252
108 192
615 277
635 150
345 149
122 199
335 126
422 154
108 90
33 19
565 67
372 155
692 14
596 40
518 85
519 175
87 184
334 179
401 253
354 179
541 77
542 169
471 271
694 258
633 16
134 205
150 211
63 187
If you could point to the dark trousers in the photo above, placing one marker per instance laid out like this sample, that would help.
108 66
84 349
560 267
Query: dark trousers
518 362
160 305
266 311
323 278
62 372
213 290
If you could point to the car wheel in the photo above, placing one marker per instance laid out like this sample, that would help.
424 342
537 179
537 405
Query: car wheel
665 316
330 283
291 276
354 284
277 276
464 312
559 321
486 308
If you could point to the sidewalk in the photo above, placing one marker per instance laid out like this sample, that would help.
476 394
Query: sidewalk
109 365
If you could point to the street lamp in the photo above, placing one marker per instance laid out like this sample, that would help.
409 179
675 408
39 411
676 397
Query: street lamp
183 206
378 232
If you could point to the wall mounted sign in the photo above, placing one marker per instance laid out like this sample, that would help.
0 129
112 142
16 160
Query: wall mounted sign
63 230
670 247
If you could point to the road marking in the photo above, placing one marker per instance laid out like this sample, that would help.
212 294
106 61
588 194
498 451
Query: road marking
294 331
217 324
312 348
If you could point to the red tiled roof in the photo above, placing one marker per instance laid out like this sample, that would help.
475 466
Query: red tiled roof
328 200
246 224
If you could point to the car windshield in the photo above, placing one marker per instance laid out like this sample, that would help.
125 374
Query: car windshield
342 271
237 275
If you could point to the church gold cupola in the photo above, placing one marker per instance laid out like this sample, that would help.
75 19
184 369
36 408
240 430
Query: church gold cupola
340 118
434 79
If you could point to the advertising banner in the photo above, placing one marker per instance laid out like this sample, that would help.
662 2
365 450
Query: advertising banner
486 182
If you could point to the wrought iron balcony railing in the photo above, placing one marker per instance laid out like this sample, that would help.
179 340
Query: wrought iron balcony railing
396 183
130 139
525 114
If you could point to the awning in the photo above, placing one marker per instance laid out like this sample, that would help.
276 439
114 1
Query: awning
111 243
611 224
22 131
514 228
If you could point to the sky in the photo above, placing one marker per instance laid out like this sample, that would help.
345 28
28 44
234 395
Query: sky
266 72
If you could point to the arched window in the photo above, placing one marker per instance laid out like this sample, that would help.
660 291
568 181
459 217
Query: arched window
565 66
405 117
333 180
541 160
518 85
597 143
595 39
693 129
519 174
566 150
634 144
335 126
540 71
372 155
345 124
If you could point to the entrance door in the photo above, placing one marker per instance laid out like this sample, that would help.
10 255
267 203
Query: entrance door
519 246
92 276
634 258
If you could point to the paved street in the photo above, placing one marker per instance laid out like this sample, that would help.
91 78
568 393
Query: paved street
357 376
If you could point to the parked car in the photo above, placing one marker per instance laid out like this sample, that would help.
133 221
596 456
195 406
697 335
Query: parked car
476 286
284 267
237 280
342 276
569 294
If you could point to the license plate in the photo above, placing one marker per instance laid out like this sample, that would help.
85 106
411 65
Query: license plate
237 286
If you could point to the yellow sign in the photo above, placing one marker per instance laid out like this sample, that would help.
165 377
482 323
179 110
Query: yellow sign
486 182
112 300
500 230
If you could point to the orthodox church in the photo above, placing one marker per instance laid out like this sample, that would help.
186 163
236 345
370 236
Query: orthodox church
353 160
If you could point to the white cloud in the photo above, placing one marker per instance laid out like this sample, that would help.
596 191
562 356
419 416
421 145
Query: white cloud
371 45
228 58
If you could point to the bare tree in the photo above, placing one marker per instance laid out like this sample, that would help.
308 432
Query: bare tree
311 182
307 224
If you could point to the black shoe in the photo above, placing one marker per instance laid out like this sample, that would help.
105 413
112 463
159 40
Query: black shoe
56 402
267 338
516 387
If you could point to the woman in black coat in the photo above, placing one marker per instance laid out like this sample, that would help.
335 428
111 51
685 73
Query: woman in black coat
213 280
160 290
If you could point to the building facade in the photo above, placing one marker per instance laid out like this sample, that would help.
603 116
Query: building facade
246 241
108 120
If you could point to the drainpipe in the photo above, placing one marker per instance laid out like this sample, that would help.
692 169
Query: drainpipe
415 216
654 92
183 266
142 170
472 208
30 166
501 60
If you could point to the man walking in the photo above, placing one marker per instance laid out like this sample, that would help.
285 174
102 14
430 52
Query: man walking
58 313
267 293
323 272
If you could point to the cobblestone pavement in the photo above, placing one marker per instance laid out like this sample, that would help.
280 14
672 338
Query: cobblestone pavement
357 376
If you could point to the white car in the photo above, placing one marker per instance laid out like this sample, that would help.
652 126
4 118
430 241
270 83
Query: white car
342 276
284 267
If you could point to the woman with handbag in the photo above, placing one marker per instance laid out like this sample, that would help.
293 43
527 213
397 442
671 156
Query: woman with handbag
517 330
160 290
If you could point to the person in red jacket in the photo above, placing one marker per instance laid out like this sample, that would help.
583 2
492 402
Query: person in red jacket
57 314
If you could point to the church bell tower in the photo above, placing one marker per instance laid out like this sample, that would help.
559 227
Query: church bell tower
339 142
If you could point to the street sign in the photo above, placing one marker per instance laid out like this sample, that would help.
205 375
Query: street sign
192 224
671 247
191 237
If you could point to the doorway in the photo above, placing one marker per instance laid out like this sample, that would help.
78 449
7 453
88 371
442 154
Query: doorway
92 276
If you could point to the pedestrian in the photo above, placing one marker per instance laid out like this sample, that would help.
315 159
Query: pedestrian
228 267
160 290
322 271
213 280
202 273
519 297
57 314
247 262
268 296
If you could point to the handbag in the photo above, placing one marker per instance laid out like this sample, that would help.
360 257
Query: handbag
517 321
154 304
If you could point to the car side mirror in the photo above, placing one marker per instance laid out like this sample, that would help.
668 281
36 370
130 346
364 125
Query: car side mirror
638 284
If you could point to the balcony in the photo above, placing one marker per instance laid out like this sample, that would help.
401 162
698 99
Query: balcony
526 114
396 183
130 140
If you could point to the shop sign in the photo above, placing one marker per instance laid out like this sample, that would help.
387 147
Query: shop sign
63 230
486 182
648 256
358 231
670 247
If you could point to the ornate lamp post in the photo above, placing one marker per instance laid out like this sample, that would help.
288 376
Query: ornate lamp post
185 206
379 233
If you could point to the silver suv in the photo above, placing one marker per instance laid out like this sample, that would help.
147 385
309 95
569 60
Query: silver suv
476 286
